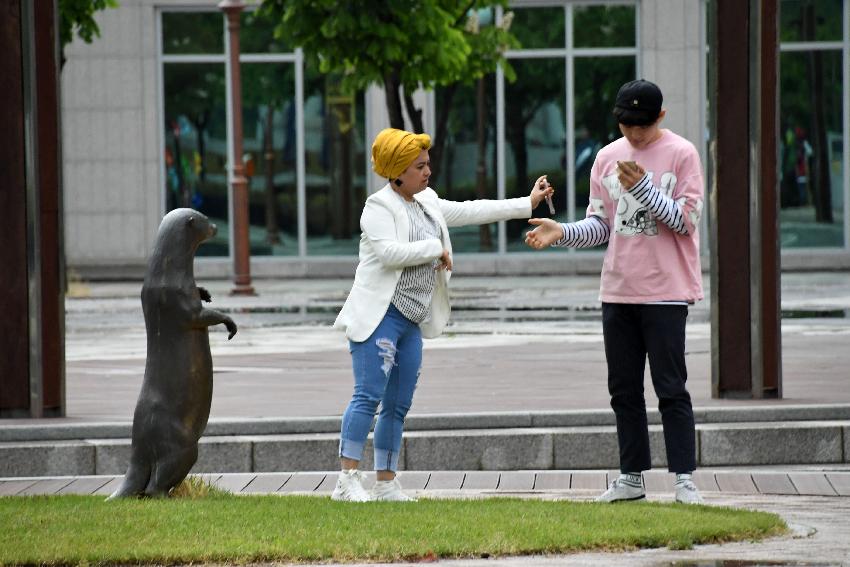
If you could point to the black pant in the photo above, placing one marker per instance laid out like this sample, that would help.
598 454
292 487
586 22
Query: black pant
632 332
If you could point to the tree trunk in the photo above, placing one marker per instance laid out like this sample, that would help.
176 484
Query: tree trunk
185 195
201 122
819 174
485 240
516 136
272 232
391 90
414 113
438 139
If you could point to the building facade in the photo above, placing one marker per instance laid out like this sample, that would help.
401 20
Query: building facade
145 114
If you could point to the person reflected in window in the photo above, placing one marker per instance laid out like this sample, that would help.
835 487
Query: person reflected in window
400 295
646 198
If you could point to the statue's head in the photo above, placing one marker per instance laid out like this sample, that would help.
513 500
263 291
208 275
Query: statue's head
194 227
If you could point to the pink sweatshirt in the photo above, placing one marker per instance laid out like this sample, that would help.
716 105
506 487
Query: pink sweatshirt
646 261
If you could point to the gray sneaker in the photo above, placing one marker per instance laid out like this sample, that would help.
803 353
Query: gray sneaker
687 493
349 487
620 491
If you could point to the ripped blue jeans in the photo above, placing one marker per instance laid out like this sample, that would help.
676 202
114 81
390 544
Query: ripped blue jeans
386 368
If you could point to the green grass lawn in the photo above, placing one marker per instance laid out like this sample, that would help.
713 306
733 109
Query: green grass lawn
62 530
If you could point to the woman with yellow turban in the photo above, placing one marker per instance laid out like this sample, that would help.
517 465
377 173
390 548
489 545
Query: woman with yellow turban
400 294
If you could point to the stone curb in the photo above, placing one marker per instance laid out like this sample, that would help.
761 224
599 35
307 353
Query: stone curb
569 483
428 422
543 448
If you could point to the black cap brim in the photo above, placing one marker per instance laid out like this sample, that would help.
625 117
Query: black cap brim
632 117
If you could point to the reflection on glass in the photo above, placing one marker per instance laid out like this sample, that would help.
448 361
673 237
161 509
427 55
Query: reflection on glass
257 35
604 26
192 32
535 131
810 20
539 28
597 81
268 113
457 175
811 191
335 165
196 145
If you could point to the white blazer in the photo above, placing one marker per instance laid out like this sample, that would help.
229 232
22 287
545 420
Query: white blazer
385 250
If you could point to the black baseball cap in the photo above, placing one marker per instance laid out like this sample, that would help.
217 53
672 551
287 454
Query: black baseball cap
638 103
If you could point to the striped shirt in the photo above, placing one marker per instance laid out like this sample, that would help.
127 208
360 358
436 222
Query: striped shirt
416 285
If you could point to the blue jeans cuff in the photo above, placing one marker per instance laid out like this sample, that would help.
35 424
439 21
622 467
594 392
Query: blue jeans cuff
386 460
351 449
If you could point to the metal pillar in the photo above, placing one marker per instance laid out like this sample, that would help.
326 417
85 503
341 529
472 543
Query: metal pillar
32 368
745 302
241 242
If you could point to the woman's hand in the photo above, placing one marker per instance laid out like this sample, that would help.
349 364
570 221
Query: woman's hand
445 261
547 233
629 173
541 190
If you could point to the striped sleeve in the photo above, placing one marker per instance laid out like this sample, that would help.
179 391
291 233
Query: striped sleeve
661 206
586 233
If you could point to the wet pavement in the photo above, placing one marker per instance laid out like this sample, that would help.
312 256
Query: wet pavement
514 344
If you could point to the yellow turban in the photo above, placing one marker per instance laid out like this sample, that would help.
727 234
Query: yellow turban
393 150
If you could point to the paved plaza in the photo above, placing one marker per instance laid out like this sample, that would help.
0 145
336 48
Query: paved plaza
515 344
518 350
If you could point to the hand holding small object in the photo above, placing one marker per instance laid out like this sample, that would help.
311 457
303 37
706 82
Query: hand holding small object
549 197
444 262
629 173
542 190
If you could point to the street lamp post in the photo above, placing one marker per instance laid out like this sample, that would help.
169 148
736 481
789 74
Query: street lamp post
241 245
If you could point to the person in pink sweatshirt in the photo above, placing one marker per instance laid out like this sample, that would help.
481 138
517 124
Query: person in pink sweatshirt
646 198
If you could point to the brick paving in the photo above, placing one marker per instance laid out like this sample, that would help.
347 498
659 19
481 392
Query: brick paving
570 484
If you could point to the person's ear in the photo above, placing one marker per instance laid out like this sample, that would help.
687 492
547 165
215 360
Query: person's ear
398 182
661 116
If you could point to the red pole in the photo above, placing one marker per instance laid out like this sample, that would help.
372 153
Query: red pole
241 244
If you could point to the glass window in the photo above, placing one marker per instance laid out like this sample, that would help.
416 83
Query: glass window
456 178
257 35
268 111
604 26
811 149
192 32
535 132
597 81
335 165
810 20
539 28
196 145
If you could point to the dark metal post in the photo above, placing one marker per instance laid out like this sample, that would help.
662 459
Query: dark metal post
239 184
32 371
745 303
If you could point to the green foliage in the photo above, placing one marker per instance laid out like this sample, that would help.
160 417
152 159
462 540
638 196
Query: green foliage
64 530
425 42
77 17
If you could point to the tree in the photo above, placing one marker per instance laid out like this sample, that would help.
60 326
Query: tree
401 45
77 16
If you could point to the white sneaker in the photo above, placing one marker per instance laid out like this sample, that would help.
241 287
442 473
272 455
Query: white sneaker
349 487
390 490
687 493
620 491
